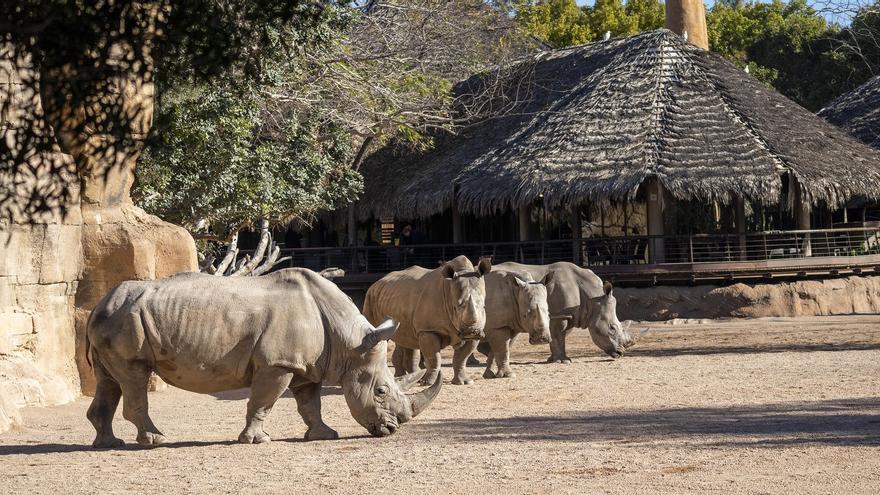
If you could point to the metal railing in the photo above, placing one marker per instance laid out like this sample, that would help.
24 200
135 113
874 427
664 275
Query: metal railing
602 251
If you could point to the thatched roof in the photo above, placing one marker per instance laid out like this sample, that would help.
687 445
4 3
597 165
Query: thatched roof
597 120
858 112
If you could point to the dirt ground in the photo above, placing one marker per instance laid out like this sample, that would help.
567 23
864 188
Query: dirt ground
739 406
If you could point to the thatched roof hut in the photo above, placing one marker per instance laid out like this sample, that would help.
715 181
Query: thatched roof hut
858 112
594 121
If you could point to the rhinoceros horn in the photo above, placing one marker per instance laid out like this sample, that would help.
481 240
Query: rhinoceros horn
406 382
421 400
380 333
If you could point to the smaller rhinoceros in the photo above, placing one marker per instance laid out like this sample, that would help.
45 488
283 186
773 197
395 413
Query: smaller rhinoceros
292 329
578 299
436 309
514 304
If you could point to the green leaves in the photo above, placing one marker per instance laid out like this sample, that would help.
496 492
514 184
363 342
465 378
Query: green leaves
562 23
209 160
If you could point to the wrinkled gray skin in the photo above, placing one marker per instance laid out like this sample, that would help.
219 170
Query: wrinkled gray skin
291 329
436 308
577 299
514 304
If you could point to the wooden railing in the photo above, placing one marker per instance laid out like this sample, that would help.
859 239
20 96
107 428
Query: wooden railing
604 251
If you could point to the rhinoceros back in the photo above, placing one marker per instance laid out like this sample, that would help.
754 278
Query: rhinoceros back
206 333
410 297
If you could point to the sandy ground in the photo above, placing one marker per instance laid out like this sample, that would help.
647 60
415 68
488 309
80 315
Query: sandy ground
744 406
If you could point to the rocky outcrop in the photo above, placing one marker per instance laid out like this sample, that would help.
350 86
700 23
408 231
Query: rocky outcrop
56 262
842 296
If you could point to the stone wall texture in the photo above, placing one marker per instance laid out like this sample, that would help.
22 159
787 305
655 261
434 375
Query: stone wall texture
40 267
56 265
839 296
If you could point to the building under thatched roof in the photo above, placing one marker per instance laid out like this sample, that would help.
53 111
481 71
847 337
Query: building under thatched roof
595 121
858 112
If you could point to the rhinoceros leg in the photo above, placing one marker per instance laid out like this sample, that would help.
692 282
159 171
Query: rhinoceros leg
501 347
559 330
430 345
134 381
397 358
100 413
308 403
405 360
267 386
459 360
489 351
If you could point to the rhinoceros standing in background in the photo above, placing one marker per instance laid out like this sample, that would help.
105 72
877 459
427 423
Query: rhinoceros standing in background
290 329
515 304
577 299
435 308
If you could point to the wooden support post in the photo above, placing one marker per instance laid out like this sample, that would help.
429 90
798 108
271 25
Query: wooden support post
739 206
352 226
456 224
525 223
654 190
352 238
802 217
575 222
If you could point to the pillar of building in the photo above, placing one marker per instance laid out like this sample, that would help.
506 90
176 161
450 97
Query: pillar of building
456 224
525 223
574 221
739 207
654 196
802 218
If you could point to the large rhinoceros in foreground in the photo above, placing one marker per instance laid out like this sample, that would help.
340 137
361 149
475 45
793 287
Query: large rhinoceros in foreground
577 299
515 304
436 308
291 329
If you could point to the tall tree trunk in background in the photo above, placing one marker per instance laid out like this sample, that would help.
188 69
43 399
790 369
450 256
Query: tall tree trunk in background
688 16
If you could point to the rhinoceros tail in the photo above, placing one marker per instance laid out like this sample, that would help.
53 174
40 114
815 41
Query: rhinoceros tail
88 343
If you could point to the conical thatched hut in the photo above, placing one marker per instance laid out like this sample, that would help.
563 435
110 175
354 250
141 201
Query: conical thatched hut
641 118
599 120
858 112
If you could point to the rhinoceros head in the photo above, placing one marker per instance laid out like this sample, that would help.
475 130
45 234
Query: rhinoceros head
376 399
465 293
605 329
534 313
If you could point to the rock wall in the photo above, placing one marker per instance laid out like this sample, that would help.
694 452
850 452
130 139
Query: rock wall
76 156
40 258
841 296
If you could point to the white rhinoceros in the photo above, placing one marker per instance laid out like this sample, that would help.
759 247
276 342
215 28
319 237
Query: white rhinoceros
436 308
290 329
577 299
515 304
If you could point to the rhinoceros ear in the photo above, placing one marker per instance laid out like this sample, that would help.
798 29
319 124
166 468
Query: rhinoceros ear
448 271
547 278
484 266
521 281
383 332
607 287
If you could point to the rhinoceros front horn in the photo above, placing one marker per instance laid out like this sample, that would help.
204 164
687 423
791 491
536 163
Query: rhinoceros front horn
420 401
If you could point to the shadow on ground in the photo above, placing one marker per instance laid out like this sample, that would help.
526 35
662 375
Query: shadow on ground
854 422
753 349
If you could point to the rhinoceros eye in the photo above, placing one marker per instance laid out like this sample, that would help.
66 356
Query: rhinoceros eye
381 390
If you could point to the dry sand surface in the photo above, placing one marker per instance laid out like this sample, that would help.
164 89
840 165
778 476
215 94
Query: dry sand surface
740 406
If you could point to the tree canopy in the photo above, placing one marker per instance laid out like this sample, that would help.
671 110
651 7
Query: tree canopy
788 45
287 143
